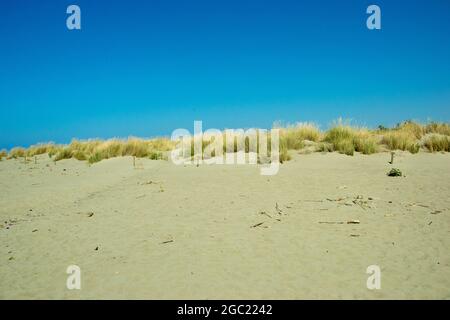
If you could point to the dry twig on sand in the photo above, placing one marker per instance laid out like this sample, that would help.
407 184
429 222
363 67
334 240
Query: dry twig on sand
257 225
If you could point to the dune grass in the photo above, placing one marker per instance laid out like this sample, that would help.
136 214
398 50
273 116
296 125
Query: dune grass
64 153
406 136
3 154
410 136
96 150
294 136
348 140
17 152
436 142
401 140
242 141
340 137
439 128
284 153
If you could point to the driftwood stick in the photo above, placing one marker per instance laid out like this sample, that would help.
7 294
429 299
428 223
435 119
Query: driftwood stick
392 157
266 214
332 222
257 225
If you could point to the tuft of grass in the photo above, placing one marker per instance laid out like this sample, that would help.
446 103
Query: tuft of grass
87 147
96 150
135 147
365 142
348 140
17 152
52 152
284 154
79 155
440 128
95 157
401 140
436 142
161 144
291 141
294 136
157 155
412 128
113 148
65 153
3 154
41 148
341 137
324 147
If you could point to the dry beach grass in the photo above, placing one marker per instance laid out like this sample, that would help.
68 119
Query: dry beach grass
341 137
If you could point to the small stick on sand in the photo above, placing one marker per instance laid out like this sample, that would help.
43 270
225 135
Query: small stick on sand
278 208
332 222
257 225
168 241
134 162
392 157
338 199
266 214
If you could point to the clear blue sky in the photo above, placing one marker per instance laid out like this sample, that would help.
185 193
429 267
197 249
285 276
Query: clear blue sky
145 68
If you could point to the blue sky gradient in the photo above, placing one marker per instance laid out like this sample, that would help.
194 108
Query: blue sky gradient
145 68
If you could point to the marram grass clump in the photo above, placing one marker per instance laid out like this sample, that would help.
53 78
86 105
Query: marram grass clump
294 136
97 150
41 148
436 142
401 140
17 152
3 154
348 140
439 128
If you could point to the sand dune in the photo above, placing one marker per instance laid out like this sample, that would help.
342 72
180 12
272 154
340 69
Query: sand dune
226 232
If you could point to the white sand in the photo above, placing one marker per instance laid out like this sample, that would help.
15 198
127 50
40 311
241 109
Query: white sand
208 212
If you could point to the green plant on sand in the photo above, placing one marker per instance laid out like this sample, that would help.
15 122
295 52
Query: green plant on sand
394 172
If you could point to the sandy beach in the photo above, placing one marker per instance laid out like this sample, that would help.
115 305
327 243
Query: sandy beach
161 231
